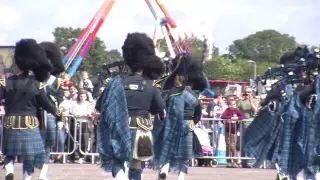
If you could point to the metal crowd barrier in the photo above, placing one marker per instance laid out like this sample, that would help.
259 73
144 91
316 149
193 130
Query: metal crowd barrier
232 142
73 131
78 141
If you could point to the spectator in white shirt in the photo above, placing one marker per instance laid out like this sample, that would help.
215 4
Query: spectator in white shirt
82 111
219 109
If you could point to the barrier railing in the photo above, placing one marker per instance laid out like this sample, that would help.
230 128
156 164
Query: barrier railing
88 144
226 135
79 136
66 138
76 133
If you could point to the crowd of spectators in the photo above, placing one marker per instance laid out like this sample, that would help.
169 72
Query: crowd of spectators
78 129
227 113
77 107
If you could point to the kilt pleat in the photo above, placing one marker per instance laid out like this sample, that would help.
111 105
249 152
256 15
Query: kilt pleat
22 142
176 149
261 138
50 136
49 139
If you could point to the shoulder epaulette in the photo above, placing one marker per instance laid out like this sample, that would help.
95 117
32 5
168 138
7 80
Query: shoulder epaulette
42 85
155 84
3 82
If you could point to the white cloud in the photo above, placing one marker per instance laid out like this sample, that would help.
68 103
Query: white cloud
225 20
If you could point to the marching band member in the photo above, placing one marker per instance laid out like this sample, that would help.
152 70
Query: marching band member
174 140
287 126
24 94
125 106
55 93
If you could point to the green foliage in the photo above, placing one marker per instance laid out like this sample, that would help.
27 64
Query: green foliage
96 56
223 68
263 46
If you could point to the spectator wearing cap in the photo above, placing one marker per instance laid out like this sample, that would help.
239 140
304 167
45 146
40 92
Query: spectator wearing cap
249 106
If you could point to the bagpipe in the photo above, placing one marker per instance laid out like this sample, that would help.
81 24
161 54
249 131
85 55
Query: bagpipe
106 72
177 38
298 68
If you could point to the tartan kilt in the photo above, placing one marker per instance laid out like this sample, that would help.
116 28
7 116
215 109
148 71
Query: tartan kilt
184 152
176 149
49 136
41 159
261 138
22 142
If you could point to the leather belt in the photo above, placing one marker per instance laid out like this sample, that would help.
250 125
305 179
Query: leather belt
133 121
20 122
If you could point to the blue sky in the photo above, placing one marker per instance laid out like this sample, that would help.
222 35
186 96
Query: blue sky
225 20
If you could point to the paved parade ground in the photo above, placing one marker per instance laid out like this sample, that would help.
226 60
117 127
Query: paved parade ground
93 172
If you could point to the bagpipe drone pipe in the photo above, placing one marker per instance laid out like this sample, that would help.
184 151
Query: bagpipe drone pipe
106 72
298 68
296 81
176 39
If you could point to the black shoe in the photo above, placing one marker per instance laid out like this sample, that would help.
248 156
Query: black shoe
9 176
162 176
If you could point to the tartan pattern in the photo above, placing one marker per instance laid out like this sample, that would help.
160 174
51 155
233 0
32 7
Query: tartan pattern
133 133
262 135
299 149
25 142
49 137
296 138
310 133
291 158
114 136
41 159
173 142
314 137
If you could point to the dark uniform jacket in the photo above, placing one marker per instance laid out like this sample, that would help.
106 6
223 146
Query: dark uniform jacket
143 97
24 96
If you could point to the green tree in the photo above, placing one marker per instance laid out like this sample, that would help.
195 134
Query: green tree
263 46
224 69
96 56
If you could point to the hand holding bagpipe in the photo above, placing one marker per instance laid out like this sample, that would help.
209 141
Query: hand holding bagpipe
308 96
